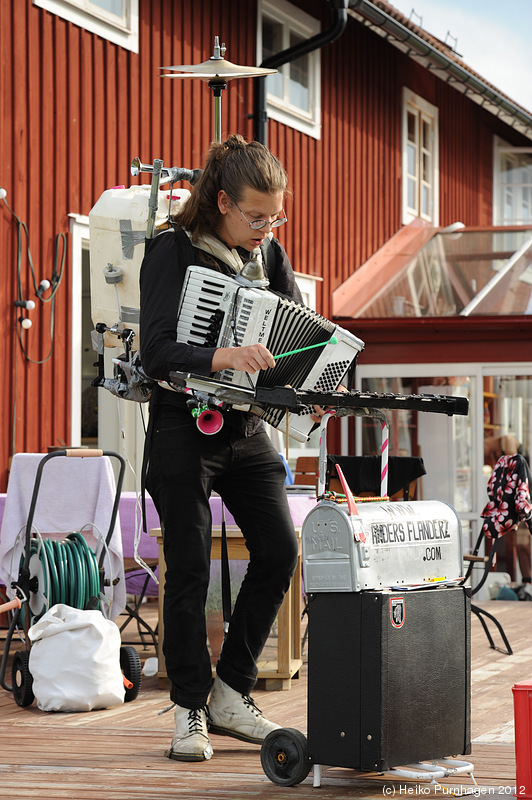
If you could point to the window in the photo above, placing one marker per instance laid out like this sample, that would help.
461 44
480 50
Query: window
293 93
512 200
115 20
79 231
420 159
458 452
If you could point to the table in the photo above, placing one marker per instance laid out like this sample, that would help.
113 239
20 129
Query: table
276 674
130 525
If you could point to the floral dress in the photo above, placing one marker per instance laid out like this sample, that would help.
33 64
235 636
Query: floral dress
509 497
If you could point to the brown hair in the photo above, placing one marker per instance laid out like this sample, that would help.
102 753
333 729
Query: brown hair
233 166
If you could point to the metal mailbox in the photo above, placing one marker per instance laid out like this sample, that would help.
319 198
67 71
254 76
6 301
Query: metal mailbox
383 545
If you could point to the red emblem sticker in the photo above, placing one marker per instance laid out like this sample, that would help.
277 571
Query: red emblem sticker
397 611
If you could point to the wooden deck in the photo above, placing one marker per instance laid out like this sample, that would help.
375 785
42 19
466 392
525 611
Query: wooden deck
117 754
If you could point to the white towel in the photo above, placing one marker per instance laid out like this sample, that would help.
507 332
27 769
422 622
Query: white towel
74 492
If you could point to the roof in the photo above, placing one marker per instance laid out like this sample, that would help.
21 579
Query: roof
440 59
424 271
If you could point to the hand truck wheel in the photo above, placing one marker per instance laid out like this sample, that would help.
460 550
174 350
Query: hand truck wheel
284 757
22 681
131 667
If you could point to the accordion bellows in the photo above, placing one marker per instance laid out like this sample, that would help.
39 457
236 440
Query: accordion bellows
217 311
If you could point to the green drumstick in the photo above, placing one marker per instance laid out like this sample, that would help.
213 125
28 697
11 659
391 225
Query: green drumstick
332 340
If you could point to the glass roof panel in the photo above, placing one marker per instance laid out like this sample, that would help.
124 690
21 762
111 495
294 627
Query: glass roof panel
462 273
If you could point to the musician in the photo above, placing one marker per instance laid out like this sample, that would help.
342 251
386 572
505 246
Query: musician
231 211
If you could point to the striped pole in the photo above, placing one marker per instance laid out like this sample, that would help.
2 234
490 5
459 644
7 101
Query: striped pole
385 442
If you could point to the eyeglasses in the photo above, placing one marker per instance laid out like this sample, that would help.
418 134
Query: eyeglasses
257 224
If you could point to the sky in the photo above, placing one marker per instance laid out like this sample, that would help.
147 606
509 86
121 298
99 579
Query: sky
494 38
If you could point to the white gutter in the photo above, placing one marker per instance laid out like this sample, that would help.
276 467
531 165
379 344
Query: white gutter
490 98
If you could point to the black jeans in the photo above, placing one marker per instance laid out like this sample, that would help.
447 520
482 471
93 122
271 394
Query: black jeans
185 466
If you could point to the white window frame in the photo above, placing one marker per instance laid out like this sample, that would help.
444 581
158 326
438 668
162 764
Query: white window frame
79 231
120 422
425 112
475 370
307 287
299 22
89 16
500 147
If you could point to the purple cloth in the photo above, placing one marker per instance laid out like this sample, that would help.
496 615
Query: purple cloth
130 514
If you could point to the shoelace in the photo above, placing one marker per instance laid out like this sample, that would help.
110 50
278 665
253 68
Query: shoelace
195 722
248 701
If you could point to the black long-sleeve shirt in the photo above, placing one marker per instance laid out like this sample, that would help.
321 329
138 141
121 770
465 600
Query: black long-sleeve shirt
161 280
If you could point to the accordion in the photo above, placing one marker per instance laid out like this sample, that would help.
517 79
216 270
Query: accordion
215 310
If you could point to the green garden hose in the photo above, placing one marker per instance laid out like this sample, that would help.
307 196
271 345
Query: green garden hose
67 572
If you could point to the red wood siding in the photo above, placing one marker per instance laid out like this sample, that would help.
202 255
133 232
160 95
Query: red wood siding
446 340
75 109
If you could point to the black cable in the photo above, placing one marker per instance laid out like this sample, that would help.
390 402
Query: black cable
57 277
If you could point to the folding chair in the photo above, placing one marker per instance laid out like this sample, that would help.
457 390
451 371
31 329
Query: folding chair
488 561
139 585
509 503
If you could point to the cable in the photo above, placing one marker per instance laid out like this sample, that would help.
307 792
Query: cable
56 282
95 574
57 277
138 504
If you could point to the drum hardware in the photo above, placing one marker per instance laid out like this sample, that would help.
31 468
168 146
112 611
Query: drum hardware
129 381
216 71
167 174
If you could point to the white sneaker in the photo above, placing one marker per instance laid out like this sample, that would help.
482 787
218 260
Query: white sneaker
235 714
524 592
191 739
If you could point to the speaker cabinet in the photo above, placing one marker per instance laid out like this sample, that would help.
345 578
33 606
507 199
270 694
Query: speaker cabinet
389 677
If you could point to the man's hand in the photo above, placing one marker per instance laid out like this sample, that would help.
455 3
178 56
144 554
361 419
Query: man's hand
319 411
249 359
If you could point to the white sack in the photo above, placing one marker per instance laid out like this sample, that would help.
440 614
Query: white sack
75 660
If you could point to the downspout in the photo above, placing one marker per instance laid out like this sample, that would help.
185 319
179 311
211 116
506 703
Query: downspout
337 27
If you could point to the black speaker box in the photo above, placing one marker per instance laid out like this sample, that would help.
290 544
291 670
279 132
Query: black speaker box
388 677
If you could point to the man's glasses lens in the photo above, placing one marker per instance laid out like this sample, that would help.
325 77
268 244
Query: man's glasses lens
257 224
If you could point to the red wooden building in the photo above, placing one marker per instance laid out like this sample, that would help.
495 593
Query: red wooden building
378 124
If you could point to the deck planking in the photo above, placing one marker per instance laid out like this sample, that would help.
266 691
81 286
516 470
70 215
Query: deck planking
118 752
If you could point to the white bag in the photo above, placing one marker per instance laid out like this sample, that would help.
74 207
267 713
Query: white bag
75 660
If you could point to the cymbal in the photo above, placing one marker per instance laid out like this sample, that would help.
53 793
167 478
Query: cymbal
216 69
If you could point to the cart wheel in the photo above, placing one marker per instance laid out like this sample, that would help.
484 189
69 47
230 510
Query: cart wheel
22 680
131 667
284 757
